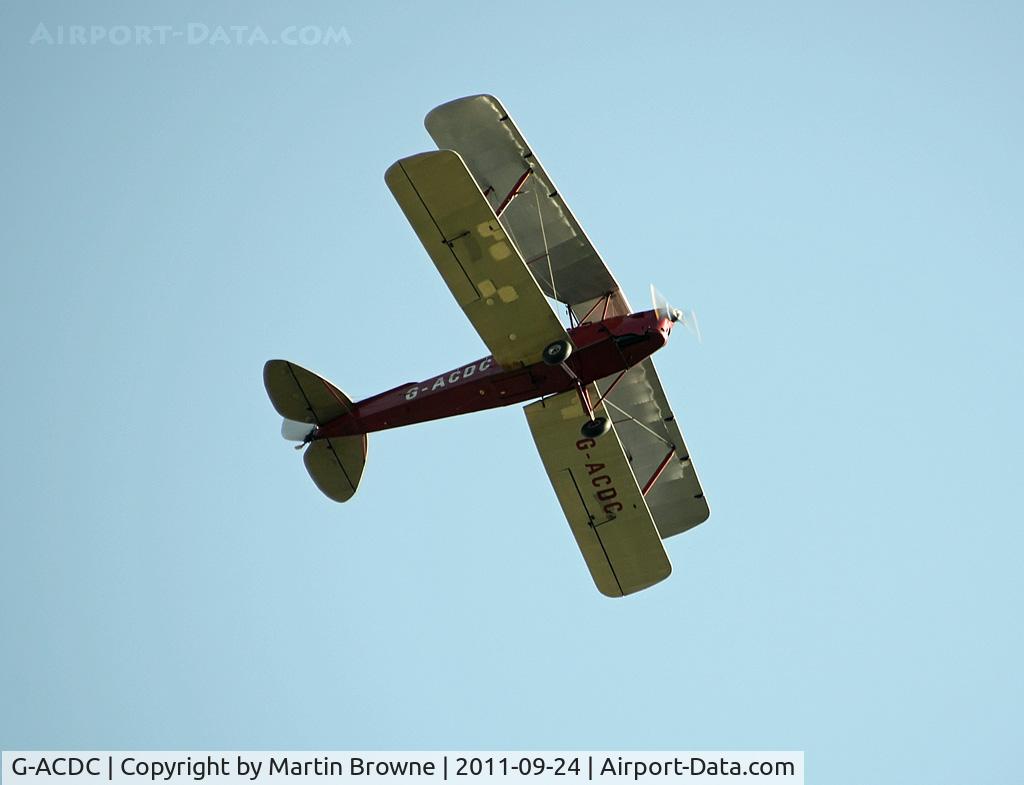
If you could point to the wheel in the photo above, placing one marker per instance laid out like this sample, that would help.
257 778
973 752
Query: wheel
596 428
557 353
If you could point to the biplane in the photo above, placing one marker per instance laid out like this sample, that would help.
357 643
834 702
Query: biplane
507 245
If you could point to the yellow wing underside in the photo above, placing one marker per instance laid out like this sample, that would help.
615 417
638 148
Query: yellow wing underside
480 264
600 497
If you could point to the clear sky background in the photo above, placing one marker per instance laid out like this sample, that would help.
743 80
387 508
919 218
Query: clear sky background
836 188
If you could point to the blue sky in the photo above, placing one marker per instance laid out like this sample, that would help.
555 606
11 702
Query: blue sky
834 187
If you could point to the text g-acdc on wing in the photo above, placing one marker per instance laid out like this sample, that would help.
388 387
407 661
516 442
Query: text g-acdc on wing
474 255
600 497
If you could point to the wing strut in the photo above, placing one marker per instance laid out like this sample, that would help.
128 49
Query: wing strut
513 193
581 391
612 386
657 472
604 313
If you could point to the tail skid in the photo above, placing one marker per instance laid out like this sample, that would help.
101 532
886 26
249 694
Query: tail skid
306 401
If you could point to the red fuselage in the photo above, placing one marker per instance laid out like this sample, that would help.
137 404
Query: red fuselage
601 349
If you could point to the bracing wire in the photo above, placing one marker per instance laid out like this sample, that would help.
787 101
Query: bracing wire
544 237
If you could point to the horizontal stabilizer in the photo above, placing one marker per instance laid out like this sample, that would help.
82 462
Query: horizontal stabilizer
301 395
336 465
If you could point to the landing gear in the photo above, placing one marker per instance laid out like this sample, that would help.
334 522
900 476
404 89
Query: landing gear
596 428
557 352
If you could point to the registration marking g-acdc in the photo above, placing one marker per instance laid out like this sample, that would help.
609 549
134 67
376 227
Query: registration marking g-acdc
603 484
446 379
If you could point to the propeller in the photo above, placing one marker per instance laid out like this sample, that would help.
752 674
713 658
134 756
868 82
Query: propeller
663 309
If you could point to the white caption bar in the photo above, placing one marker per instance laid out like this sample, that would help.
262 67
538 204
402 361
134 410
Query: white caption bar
412 768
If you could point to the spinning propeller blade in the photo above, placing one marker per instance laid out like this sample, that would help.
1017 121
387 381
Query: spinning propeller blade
663 309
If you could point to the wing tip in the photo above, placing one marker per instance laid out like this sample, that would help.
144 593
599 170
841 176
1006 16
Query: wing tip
441 109
625 591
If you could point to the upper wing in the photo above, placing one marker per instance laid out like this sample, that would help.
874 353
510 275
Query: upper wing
600 498
555 248
649 434
468 245
568 268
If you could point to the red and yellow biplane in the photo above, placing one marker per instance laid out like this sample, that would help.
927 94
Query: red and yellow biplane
505 242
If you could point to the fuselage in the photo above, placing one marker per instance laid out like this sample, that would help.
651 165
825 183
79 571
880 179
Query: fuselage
601 349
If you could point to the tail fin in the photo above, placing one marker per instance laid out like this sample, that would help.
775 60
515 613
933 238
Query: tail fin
306 400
